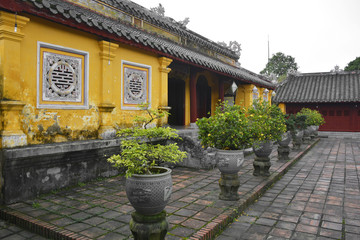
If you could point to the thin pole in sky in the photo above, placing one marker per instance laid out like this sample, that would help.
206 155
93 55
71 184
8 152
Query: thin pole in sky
268 49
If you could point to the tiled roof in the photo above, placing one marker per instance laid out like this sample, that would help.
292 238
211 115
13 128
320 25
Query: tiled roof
65 11
319 87
169 24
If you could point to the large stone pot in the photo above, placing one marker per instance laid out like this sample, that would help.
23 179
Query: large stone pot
283 148
285 139
316 133
313 131
307 133
262 162
229 163
262 149
297 137
149 194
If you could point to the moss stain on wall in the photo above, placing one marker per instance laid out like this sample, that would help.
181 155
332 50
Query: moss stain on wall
57 125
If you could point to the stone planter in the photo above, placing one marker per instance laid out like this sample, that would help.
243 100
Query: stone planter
283 148
229 163
149 194
316 133
307 132
297 137
313 130
285 140
262 158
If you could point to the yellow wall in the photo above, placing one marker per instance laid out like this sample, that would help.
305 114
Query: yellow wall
56 125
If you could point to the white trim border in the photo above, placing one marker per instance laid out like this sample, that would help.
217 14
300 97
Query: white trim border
122 85
86 77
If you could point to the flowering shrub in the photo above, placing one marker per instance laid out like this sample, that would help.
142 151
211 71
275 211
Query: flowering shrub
227 129
267 122
313 117
143 148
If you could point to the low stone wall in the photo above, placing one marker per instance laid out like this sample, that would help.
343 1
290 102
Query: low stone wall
27 172
30 171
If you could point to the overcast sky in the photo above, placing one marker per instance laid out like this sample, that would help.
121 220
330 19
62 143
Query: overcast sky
319 34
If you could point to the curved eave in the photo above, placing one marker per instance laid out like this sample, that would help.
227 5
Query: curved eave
134 38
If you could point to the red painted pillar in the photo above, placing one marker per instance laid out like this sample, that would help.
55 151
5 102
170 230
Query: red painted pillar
193 106
221 90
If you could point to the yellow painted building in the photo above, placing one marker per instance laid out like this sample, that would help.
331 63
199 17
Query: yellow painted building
76 70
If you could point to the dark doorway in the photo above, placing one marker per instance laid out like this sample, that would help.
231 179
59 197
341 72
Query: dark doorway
176 100
203 98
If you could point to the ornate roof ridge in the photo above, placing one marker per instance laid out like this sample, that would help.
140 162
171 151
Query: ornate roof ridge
169 24
81 18
325 73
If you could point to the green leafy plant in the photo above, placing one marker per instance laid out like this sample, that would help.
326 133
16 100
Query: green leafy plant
227 129
299 122
36 205
313 117
290 123
267 121
144 147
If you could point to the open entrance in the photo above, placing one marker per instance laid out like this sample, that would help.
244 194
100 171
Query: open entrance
176 100
203 98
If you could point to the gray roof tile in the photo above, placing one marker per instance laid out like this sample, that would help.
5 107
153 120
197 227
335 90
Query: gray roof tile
320 87
94 20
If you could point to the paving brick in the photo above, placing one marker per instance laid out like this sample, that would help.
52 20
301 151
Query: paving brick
331 225
193 223
330 233
266 222
281 233
93 232
182 232
185 212
313 190
306 229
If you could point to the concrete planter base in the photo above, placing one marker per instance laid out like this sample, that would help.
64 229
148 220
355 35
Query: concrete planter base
229 185
149 227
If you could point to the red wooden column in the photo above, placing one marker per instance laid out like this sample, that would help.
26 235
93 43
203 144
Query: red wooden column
193 106
221 90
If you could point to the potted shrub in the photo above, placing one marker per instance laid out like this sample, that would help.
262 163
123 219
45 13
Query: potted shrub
227 130
143 149
286 137
313 120
298 132
267 125
283 148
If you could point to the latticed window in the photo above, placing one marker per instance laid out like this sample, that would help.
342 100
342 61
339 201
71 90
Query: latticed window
62 77
136 84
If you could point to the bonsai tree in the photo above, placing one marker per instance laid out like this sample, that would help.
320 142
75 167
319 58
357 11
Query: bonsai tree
267 121
313 117
290 122
143 147
227 129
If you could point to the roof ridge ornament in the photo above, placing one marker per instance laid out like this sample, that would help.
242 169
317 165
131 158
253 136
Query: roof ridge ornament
293 72
233 46
159 10
336 69
184 22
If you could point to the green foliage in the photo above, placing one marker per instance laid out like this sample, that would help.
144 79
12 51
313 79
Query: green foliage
143 148
227 129
279 64
353 65
267 121
36 205
313 117
290 122
298 122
